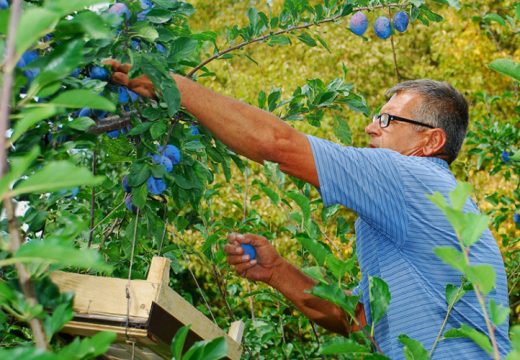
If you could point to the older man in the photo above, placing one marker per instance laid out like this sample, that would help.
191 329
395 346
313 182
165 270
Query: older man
418 133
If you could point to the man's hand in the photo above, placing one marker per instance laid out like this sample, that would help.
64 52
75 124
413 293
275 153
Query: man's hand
141 85
263 267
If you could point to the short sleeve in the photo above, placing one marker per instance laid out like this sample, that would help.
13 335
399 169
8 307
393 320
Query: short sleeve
365 180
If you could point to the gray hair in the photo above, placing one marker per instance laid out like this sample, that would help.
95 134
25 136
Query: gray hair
441 106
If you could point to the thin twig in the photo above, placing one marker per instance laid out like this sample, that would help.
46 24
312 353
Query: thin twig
399 78
92 201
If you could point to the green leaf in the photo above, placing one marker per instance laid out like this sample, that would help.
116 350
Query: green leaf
303 202
77 99
58 318
183 48
178 341
87 348
317 249
454 294
498 312
482 276
139 194
459 195
34 23
65 7
81 124
342 131
438 200
307 40
379 297
139 173
515 338
158 129
489 18
55 251
341 345
316 273
336 295
452 257
215 349
62 61
7 293
279 40
507 67
475 225
57 175
468 332
413 349
90 23
31 117
146 32
18 166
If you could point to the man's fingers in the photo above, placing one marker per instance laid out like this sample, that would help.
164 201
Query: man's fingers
241 268
237 259
233 249
117 66
120 78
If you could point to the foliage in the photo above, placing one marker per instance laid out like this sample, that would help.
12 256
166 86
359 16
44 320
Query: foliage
66 117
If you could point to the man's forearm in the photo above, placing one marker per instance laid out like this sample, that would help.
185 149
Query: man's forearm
246 129
295 286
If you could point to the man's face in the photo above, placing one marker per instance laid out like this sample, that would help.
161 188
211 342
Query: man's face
399 136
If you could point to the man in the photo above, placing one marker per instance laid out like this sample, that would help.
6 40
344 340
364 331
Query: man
419 132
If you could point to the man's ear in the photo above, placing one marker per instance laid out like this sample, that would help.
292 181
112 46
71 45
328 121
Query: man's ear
435 141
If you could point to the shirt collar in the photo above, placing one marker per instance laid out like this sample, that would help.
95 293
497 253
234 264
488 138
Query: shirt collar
438 161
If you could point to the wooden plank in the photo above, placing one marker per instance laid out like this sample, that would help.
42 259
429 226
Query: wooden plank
107 296
186 313
125 352
159 271
236 330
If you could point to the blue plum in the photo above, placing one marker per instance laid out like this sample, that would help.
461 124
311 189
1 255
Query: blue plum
249 250
506 156
99 73
129 203
358 23
164 161
123 96
146 4
121 10
516 217
113 134
194 130
76 72
126 187
160 48
133 95
4 4
382 27
27 58
400 21
85 112
155 186
172 152
135 44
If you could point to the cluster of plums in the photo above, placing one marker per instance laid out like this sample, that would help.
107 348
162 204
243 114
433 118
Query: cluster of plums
167 156
382 25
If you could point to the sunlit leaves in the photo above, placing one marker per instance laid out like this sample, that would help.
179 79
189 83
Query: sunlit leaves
506 67
497 312
77 99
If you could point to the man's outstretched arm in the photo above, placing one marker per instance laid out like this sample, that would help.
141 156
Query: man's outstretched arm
248 130
271 268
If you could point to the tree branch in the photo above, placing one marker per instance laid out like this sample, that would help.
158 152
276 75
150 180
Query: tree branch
14 229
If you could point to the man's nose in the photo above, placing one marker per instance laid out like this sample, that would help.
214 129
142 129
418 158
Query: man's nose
373 128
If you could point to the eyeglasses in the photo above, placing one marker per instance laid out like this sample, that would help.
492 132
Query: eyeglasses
384 120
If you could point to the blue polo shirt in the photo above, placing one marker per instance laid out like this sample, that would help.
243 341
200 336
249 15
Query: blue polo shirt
397 229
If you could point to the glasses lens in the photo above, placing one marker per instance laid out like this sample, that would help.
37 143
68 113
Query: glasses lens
384 120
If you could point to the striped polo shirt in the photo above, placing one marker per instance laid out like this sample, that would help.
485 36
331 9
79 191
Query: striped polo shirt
396 232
